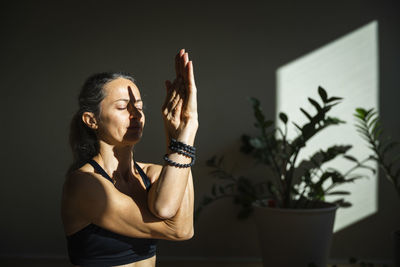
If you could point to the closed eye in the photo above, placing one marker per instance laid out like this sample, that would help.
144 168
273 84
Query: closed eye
123 108
138 104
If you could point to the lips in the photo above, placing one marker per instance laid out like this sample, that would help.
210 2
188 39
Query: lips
135 126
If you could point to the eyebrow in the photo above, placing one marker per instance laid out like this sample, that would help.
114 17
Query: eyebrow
127 100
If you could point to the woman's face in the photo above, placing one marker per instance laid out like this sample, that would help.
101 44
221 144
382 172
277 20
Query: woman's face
121 119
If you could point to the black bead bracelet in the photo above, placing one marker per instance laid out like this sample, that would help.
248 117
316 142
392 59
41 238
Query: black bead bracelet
179 165
183 149
182 152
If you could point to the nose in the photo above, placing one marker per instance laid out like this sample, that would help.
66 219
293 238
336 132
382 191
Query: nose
134 112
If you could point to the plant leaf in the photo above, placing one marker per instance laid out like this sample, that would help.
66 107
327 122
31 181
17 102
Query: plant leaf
389 146
315 104
342 203
351 158
323 94
306 113
297 126
256 143
246 147
211 161
334 98
338 193
283 117
361 112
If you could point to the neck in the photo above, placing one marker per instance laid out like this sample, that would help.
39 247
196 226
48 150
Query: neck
117 160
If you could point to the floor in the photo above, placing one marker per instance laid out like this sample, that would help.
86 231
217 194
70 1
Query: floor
169 263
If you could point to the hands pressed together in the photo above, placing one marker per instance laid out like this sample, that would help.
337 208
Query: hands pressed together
180 106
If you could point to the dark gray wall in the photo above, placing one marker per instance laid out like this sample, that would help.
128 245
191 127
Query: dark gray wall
48 48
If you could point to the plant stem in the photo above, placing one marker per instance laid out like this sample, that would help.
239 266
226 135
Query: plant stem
359 164
275 164
289 178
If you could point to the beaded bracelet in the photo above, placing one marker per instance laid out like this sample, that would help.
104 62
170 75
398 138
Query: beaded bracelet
181 151
185 147
179 165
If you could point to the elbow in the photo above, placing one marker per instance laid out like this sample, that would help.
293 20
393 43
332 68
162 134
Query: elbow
185 234
164 213
182 232
190 235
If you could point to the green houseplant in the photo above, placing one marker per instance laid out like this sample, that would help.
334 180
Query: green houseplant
385 152
290 202
293 185
383 148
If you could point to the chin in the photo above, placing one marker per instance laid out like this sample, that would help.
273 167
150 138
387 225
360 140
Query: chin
132 139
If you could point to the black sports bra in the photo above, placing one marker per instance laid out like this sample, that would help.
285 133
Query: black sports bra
96 246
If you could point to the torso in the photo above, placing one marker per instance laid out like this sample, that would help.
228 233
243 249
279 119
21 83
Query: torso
131 187
73 224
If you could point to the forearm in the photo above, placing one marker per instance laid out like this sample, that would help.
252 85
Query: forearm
181 122
182 222
167 192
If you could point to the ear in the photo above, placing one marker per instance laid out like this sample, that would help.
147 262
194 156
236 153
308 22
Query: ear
90 120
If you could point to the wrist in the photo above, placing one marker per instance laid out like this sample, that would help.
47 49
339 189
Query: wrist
186 138
188 133
180 153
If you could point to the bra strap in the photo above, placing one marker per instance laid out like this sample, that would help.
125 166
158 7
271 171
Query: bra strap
145 179
100 170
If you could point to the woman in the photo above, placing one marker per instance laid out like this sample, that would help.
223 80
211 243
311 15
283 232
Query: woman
114 208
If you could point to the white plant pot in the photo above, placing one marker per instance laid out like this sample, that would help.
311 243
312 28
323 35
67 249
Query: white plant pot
295 237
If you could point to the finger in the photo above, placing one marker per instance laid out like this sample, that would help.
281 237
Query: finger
172 101
172 108
184 60
178 63
187 70
170 97
168 86
174 89
191 89
191 74
176 111
181 88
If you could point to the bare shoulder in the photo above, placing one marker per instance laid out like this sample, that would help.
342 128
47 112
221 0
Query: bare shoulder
80 179
152 170
84 184
83 198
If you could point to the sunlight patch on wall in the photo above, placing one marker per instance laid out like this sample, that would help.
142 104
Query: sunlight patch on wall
348 68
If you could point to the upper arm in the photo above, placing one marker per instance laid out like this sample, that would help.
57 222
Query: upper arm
153 171
98 201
